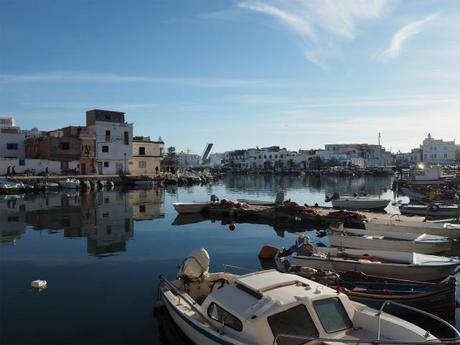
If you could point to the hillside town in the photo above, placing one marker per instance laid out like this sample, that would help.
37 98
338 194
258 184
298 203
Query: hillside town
107 145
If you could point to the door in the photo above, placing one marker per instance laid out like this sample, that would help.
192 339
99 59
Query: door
119 167
83 168
99 168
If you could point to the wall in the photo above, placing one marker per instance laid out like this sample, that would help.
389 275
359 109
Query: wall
13 138
39 165
119 153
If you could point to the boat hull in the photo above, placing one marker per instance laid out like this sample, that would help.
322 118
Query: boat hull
440 301
360 204
188 208
413 227
422 211
393 270
195 331
382 244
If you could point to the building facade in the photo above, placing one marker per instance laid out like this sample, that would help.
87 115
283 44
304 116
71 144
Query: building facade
113 140
11 139
146 156
438 151
188 160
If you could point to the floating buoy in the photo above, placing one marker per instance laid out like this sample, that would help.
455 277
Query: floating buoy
38 284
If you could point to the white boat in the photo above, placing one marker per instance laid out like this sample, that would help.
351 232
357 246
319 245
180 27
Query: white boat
381 240
393 264
270 307
45 185
431 211
190 207
359 203
440 229
69 183
9 185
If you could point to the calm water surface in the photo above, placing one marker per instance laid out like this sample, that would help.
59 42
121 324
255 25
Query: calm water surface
102 253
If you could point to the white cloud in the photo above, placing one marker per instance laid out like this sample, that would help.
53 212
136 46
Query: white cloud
405 33
318 21
82 77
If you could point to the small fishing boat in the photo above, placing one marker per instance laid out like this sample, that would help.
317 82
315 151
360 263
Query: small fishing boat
400 265
45 185
256 202
69 183
440 229
431 211
373 291
357 202
380 240
9 185
85 185
191 207
270 307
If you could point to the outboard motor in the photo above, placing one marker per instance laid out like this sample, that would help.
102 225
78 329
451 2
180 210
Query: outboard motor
195 266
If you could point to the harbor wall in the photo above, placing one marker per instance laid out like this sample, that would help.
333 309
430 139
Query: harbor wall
39 165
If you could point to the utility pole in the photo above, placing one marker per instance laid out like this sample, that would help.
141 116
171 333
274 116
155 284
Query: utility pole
380 134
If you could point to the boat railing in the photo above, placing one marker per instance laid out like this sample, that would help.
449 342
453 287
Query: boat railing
182 297
364 341
249 270
416 310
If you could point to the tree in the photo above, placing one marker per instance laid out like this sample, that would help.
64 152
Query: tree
170 159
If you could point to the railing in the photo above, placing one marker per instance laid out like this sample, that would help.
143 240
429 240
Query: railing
377 341
416 310
192 306
250 270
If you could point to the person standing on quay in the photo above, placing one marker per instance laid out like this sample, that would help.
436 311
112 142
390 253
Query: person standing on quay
8 171
13 170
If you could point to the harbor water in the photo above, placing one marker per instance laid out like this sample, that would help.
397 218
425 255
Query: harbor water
101 254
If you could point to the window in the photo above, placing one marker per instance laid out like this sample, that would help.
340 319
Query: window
22 162
142 164
126 138
108 229
107 136
295 321
105 148
65 145
141 208
332 315
141 151
220 315
11 146
106 164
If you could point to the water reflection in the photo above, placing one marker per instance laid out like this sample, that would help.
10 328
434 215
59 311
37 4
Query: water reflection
106 218
271 184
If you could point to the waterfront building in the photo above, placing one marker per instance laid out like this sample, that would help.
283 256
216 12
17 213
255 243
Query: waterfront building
11 139
363 155
62 145
188 160
215 159
438 151
113 140
146 156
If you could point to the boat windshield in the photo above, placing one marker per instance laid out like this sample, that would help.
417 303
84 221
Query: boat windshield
332 315
295 321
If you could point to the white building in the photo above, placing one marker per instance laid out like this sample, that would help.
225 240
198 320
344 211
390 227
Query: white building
114 140
146 157
12 139
187 160
438 151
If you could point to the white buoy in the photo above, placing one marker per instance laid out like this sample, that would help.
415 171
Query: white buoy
38 284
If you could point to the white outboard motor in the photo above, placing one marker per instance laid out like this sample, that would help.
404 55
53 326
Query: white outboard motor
195 266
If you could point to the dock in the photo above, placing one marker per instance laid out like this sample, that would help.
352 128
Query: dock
295 215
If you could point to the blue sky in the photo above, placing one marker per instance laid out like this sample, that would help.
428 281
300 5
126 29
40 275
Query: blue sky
238 73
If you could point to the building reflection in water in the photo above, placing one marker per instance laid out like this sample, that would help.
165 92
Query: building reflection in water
106 218
271 184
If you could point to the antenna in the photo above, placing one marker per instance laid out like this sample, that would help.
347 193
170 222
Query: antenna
380 135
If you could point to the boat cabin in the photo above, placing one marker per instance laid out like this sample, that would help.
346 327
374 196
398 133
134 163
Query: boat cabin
258 307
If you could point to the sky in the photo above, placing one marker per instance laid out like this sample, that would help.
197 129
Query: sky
237 73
